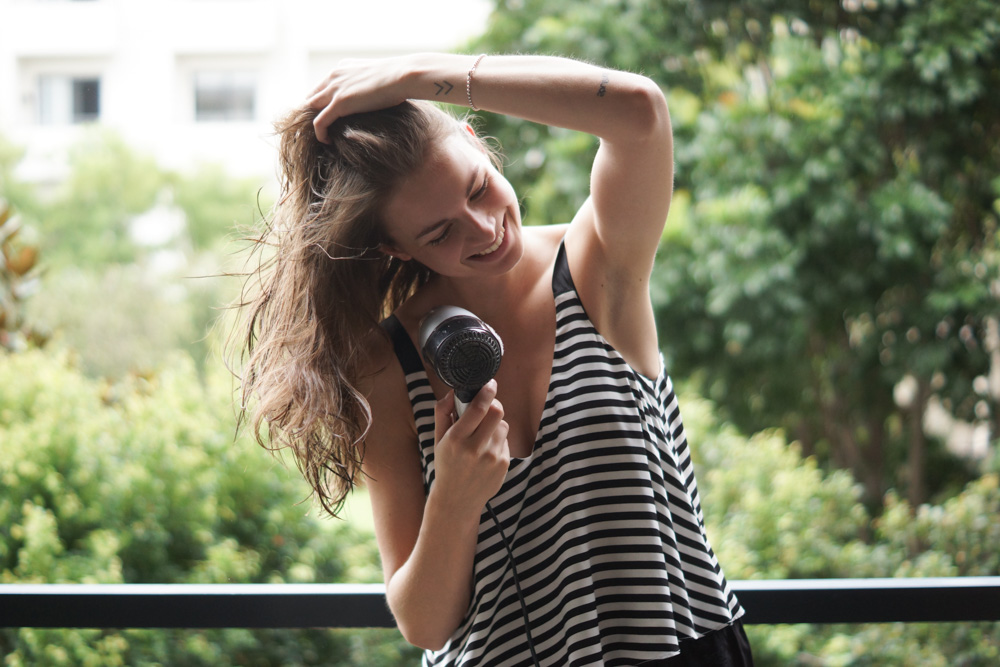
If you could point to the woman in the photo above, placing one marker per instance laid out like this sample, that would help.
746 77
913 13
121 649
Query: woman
556 521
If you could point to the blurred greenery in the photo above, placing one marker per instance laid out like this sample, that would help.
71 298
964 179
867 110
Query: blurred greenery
836 234
132 253
140 480
774 514
87 223
832 243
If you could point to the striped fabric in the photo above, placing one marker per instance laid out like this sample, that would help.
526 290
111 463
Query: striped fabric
603 518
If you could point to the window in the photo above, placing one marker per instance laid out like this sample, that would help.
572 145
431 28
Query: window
224 96
63 100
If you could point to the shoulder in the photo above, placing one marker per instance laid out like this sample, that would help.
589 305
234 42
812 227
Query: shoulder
547 236
542 243
379 355
383 385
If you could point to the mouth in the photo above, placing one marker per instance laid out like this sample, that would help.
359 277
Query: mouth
496 243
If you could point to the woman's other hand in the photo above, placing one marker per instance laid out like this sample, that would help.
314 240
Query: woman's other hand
471 454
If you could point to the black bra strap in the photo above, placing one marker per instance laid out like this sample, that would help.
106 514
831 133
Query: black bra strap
406 352
562 281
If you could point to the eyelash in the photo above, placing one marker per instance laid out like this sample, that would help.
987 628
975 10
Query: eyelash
478 194
440 239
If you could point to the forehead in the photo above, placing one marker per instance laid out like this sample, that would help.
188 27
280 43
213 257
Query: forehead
429 193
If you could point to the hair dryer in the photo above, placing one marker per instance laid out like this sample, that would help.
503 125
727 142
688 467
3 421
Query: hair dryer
464 351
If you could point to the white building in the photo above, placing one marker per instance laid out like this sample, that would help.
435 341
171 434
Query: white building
192 81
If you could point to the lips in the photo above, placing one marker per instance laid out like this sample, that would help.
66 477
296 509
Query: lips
496 243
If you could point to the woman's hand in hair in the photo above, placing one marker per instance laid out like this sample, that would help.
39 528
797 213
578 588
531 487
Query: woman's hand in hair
357 85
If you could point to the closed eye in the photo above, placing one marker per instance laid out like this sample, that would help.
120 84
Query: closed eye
446 229
439 239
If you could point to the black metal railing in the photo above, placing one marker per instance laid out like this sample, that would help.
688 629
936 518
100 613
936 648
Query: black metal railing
948 599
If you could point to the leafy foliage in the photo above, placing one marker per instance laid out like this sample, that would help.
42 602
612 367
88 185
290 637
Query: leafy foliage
838 186
215 205
773 514
108 184
122 299
140 481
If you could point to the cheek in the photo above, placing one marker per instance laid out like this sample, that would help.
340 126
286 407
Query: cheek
441 256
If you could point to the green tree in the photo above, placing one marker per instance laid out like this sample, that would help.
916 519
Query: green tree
87 221
838 181
122 300
216 204
19 195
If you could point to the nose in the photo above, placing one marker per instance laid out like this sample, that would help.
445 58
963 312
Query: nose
481 224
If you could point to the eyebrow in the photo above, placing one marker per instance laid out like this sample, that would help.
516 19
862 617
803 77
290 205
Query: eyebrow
430 229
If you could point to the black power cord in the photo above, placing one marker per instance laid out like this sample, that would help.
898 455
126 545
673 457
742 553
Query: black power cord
517 585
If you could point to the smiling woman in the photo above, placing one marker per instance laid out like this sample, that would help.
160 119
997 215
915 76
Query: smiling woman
556 520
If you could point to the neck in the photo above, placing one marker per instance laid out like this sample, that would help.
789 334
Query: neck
500 295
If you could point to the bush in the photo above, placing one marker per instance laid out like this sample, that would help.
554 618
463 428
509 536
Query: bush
771 514
141 481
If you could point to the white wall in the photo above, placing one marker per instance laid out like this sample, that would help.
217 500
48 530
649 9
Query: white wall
146 53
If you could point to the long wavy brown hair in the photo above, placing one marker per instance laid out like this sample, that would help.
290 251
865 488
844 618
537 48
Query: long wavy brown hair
321 286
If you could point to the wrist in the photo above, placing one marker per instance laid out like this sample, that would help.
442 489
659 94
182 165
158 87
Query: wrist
454 512
438 77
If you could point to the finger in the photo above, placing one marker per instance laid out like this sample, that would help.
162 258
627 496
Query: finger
503 430
498 435
498 446
319 100
323 85
321 123
477 409
444 415
490 424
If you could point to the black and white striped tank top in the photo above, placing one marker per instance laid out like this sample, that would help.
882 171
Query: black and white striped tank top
603 518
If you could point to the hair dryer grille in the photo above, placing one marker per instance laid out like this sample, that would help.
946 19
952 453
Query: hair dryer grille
463 350
469 360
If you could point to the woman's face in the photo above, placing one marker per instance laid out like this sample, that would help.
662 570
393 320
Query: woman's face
456 215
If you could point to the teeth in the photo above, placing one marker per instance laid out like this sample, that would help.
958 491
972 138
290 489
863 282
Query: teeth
496 244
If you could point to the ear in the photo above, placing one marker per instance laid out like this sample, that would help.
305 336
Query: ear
393 252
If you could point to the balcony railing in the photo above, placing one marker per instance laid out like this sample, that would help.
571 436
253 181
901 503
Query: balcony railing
950 599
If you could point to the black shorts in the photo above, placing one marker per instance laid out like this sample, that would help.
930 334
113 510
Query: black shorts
727 647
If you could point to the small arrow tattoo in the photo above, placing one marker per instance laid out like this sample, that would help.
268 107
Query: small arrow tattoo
441 87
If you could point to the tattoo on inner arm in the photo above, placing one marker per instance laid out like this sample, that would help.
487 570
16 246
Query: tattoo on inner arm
602 90
443 88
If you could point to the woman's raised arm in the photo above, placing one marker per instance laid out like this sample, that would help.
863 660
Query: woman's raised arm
631 183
